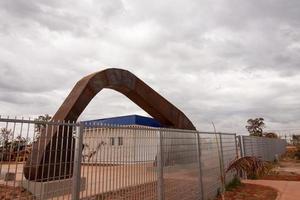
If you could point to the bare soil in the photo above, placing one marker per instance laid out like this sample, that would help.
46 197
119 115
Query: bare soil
288 170
174 190
282 176
12 193
250 192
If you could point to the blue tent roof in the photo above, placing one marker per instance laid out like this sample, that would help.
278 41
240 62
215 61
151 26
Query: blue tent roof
125 120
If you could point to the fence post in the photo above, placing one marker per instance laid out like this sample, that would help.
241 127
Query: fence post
236 146
160 166
242 154
241 143
77 162
222 161
252 140
200 165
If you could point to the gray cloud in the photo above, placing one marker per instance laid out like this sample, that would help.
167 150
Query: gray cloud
218 61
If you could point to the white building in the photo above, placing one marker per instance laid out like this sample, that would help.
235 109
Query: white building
134 139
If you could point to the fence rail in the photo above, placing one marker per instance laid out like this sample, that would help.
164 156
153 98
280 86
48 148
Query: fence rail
112 162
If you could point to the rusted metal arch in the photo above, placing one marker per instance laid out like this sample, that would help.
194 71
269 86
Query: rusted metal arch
128 84
83 92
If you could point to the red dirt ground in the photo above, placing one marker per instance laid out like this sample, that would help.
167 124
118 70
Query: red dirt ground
250 192
288 170
11 193
175 190
282 176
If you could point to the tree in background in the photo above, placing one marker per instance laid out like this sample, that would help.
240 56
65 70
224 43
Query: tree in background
5 138
19 143
296 139
270 135
255 126
38 127
9 146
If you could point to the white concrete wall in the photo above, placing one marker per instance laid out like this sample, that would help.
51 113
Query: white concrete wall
138 145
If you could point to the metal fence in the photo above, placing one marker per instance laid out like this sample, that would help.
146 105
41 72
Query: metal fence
18 140
217 150
267 149
96 161
151 163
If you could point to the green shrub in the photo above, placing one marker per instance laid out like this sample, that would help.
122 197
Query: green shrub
297 155
234 183
218 192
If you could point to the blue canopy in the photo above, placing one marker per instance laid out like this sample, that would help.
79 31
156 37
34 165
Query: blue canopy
125 120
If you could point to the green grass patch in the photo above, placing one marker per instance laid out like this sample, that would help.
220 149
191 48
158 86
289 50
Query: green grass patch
236 182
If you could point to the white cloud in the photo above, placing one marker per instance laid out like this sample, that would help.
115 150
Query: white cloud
221 61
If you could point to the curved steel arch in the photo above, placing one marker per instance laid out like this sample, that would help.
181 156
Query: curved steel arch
83 92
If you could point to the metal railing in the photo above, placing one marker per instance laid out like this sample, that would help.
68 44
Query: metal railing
17 156
154 163
96 161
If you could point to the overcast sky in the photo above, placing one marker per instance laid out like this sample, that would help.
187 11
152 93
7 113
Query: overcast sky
216 60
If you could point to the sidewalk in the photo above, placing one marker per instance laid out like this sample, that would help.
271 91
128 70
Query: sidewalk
288 190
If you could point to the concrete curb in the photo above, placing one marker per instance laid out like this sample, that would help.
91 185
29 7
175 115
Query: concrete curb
279 194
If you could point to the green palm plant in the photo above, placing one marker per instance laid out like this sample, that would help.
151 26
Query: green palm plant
38 127
251 165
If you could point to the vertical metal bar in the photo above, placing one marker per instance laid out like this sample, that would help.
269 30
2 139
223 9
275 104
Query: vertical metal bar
154 144
18 149
87 165
240 138
61 154
70 170
135 132
91 158
84 166
110 161
77 163
119 162
11 149
144 141
3 149
243 146
113 161
97 138
50 153
134 164
100 177
222 161
160 185
269 149
252 141
139 159
243 152
56 149
128 158
67 150
125 159
31 155
107 155
27 139
200 165
236 146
